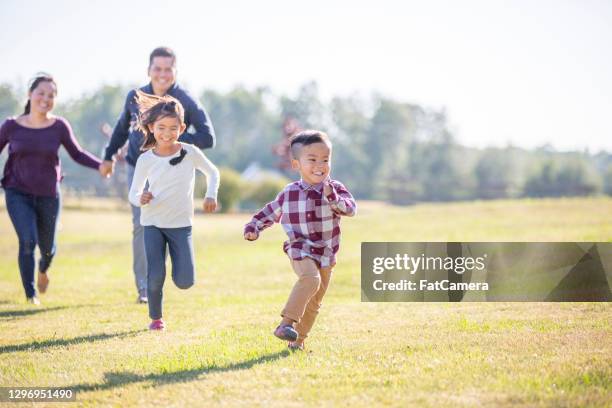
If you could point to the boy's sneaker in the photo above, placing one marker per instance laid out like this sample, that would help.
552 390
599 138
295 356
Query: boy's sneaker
286 332
295 346
157 325
33 300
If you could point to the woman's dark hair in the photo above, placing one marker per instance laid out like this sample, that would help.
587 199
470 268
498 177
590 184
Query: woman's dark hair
152 108
34 82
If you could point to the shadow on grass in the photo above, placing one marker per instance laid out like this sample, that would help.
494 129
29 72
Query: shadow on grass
41 345
11 314
117 379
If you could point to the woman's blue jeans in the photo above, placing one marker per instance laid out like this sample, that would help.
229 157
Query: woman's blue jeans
35 221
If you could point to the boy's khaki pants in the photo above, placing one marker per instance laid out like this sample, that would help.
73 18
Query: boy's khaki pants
305 299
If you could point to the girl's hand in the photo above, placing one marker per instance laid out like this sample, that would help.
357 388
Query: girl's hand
146 198
251 236
210 205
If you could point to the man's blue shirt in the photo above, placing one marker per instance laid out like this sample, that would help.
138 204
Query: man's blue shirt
125 129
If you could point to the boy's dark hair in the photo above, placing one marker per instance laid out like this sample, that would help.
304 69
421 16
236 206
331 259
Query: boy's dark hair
305 138
152 108
40 77
162 52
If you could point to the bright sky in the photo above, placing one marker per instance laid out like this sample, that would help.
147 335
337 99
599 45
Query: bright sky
525 72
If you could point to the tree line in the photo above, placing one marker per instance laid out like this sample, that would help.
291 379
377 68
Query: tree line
383 148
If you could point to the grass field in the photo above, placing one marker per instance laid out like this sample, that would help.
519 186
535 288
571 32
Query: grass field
218 349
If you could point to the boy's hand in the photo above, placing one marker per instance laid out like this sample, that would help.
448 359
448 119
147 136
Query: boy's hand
251 236
146 198
210 205
327 190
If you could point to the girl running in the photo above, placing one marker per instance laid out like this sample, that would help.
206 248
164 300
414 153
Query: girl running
168 166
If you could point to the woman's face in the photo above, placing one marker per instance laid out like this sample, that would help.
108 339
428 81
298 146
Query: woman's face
42 98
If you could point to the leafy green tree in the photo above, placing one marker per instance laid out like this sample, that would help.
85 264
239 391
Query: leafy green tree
383 148
306 108
87 115
9 102
497 174
230 189
246 127
387 145
350 159
608 181
559 177
440 170
266 190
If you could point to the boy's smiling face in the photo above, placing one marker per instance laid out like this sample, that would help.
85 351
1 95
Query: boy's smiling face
313 162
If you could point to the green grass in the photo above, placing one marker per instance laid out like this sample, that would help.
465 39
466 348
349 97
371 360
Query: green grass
218 349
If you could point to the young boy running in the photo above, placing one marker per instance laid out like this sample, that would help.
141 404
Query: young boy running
309 211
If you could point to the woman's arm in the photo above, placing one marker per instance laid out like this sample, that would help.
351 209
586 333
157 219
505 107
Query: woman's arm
78 154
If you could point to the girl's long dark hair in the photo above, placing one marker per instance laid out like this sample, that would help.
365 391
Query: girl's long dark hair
153 108
40 77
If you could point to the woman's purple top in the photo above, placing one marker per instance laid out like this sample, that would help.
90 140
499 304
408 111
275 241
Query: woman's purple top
33 165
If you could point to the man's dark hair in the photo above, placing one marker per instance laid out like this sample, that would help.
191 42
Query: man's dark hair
305 138
162 52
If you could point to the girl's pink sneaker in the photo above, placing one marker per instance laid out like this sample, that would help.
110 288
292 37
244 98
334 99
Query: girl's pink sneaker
157 325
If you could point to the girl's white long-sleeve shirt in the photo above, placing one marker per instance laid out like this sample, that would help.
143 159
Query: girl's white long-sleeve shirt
171 186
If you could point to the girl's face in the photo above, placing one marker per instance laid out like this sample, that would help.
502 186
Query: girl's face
42 98
167 130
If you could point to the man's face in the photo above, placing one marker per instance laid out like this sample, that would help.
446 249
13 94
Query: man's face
162 73
313 163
